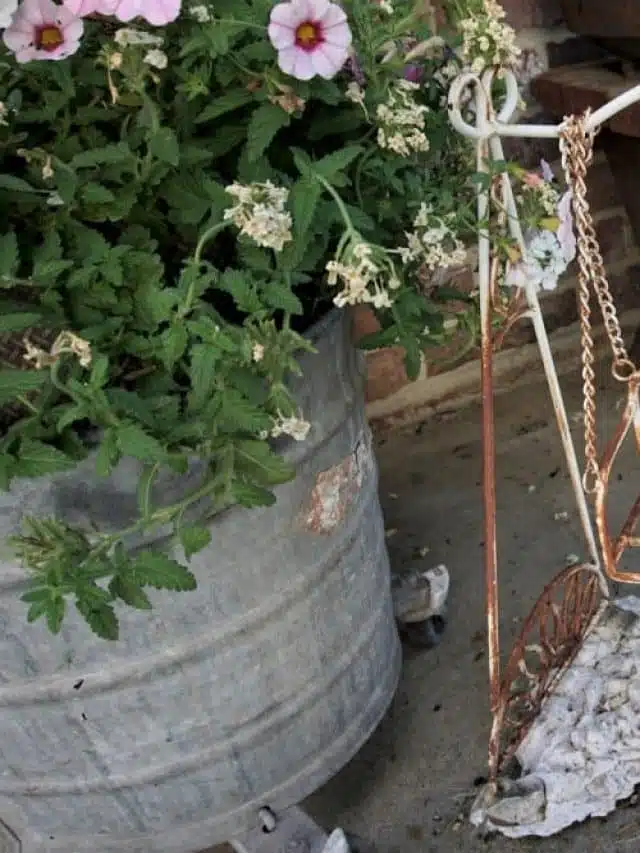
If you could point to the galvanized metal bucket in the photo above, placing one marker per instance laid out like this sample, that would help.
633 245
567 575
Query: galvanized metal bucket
251 691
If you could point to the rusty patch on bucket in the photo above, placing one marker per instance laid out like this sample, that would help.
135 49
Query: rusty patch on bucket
335 490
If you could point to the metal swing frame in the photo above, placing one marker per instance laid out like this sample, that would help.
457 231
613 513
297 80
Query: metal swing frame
570 604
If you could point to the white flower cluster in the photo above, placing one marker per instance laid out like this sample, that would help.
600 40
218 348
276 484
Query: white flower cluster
402 121
487 40
548 196
201 13
548 253
293 426
433 244
544 263
66 342
365 275
260 213
130 37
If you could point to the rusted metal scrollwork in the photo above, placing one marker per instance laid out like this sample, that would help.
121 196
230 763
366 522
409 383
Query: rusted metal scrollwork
554 631
548 642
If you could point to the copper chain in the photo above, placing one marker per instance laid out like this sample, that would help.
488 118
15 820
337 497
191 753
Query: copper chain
576 145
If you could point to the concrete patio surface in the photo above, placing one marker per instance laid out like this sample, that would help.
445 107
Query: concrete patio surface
410 787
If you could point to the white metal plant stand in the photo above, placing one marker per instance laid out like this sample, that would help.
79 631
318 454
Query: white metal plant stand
567 702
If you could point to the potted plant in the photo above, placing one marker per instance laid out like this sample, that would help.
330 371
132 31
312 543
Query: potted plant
189 197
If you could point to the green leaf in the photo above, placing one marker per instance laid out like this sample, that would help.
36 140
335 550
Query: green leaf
240 285
93 193
10 182
18 322
304 163
7 467
164 146
224 104
265 122
99 371
279 295
337 161
47 272
134 441
174 343
151 569
55 612
256 459
107 155
71 414
249 495
194 539
132 594
8 255
303 201
204 359
145 484
35 459
108 453
100 617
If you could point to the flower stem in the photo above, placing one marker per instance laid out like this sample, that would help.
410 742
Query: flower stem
341 205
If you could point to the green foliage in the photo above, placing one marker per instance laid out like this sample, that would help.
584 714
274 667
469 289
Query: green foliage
184 324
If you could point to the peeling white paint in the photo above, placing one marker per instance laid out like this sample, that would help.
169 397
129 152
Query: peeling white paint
583 750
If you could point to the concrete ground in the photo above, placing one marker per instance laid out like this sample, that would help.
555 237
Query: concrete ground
410 787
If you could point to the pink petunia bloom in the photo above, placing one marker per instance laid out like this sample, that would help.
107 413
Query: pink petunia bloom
84 8
156 12
312 38
532 179
42 30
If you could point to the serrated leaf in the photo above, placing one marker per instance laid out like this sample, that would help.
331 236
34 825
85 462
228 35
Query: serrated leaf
8 255
337 161
264 124
93 193
174 343
55 612
18 322
249 495
108 154
108 453
204 359
151 569
11 182
278 295
194 539
101 618
264 466
164 146
134 441
225 104
132 594
239 284
47 272
303 202
14 383
35 459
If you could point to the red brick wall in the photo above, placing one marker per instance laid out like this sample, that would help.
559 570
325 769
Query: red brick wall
543 23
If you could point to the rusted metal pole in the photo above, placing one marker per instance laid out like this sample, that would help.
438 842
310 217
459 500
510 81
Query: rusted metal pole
488 459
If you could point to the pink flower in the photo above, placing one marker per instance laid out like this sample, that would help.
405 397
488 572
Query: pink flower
42 30
312 38
156 12
531 179
83 8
